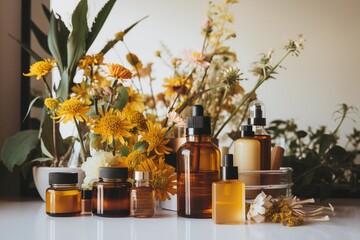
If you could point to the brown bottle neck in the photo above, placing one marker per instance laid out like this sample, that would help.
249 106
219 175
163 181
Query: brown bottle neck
198 138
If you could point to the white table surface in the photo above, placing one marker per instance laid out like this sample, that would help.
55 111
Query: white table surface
27 220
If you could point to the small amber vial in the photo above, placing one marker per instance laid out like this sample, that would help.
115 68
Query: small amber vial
142 197
111 194
63 196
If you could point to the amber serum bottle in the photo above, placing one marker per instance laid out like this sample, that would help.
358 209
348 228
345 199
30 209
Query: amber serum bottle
63 196
198 166
258 121
228 195
111 194
142 196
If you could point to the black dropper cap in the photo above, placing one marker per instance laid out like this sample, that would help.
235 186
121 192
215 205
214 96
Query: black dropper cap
113 172
246 131
63 178
198 124
228 171
257 113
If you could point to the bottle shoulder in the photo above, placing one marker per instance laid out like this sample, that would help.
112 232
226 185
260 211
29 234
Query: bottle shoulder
229 182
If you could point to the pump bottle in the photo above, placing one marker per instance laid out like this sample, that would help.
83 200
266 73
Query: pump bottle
258 121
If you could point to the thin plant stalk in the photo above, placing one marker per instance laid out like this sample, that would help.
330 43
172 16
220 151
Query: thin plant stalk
81 139
266 75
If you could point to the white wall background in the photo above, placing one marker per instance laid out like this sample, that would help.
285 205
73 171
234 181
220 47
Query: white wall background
308 90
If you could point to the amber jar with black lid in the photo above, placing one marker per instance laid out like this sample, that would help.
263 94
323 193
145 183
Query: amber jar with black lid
111 194
63 196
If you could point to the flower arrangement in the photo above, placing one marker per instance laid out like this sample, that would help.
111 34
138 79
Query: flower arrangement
117 122
287 211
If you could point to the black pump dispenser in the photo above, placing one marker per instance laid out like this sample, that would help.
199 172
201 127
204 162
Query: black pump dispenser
198 124
228 171
246 131
257 113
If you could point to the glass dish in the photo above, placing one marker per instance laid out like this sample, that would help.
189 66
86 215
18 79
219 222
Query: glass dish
271 182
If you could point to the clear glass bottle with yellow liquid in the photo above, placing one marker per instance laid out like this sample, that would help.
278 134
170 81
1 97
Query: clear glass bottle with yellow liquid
228 195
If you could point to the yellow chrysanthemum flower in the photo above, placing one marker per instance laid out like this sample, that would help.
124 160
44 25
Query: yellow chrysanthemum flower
51 103
135 117
81 91
72 109
41 68
112 126
136 100
177 85
89 61
119 72
163 177
134 159
155 137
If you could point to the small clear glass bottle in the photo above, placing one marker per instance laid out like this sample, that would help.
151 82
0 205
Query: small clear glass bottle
63 196
111 194
228 195
142 196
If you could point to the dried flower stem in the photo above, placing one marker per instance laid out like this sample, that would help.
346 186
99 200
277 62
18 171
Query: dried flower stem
83 156
266 75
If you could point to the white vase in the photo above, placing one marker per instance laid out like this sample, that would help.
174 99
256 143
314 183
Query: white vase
41 177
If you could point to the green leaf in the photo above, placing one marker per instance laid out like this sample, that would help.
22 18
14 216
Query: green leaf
124 151
141 146
301 134
17 147
76 44
30 106
27 48
99 22
123 99
40 37
112 43
57 40
46 136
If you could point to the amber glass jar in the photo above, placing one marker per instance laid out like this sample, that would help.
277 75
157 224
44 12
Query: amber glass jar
111 194
63 197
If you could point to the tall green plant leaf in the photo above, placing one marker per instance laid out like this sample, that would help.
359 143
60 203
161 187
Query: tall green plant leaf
53 42
112 43
76 44
46 135
27 48
17 147
99 22
30 106
41 37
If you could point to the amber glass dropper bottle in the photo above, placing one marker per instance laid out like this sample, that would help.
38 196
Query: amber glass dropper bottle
198 166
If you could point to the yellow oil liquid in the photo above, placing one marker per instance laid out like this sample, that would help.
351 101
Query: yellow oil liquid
228 202
63 202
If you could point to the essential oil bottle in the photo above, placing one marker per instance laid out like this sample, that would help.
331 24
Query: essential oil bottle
228 195
258 121
63 196
111 194
198 166
142 196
